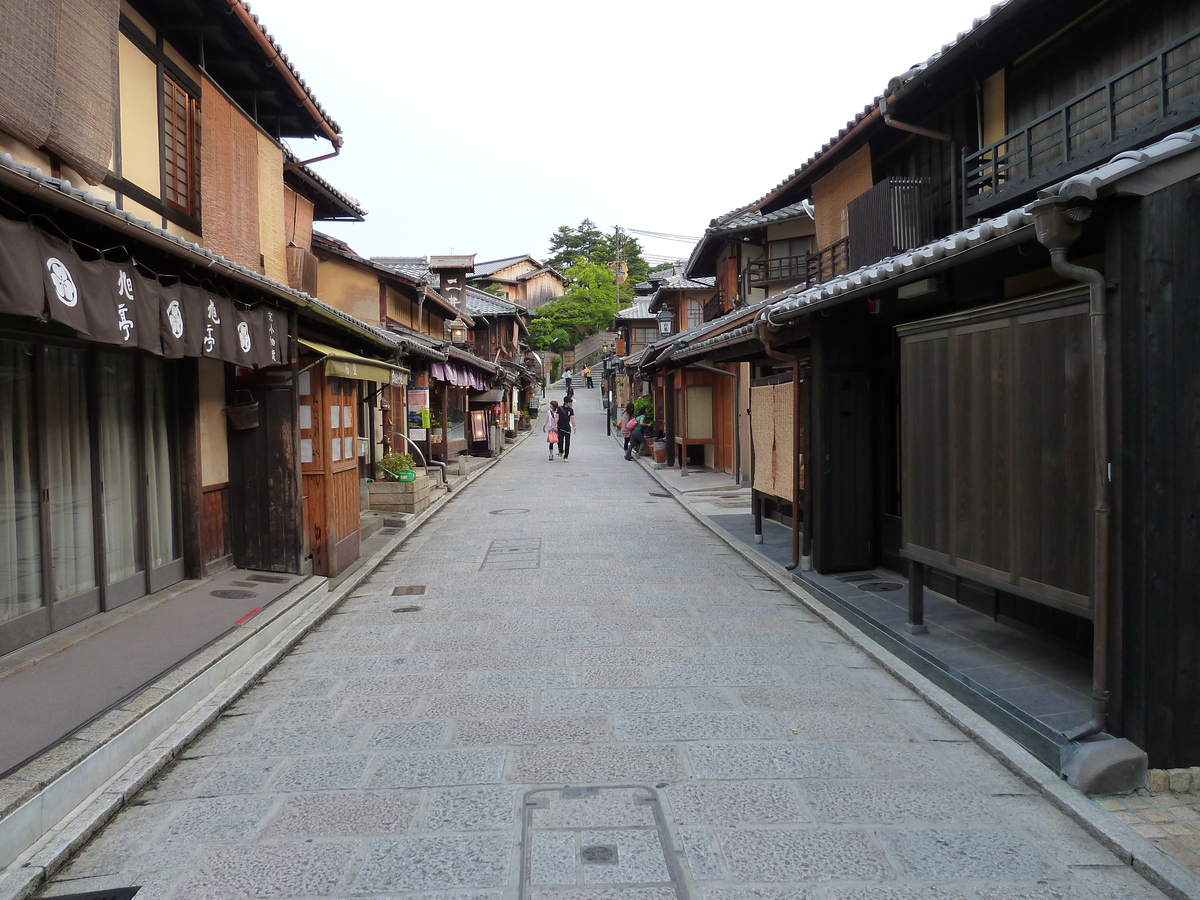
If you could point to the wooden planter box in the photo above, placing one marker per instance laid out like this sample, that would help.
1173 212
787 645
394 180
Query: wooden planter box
404 497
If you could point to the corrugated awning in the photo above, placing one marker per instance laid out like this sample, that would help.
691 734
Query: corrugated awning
351 365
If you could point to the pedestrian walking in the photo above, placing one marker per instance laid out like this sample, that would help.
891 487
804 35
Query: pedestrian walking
550 426
587 377
625 425
566 427
567 376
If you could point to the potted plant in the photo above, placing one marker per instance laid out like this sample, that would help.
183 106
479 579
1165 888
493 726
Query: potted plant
398 466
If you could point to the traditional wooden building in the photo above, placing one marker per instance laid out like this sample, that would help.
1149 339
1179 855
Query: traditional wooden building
990 357
521 279
148 334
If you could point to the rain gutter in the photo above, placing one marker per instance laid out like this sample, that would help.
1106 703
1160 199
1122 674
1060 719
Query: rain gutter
1058 226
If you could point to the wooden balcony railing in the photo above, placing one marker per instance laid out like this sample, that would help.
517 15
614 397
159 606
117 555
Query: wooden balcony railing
1149 99
781 268
804 271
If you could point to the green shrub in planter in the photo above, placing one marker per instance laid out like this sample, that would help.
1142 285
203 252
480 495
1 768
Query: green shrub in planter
398 467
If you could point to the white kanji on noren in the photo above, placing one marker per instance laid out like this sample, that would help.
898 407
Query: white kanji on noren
123 321
124 284
212 312
64 284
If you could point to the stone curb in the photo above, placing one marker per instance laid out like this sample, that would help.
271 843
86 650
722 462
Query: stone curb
39 862
1172 878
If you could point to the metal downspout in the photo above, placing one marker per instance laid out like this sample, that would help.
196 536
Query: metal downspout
1057 228
763 327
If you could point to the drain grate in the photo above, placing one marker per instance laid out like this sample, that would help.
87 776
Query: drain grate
234 594
852 579
522 553
404 609
657 494
600 854
405 590
512 511
612 839
878 587
122 893
244 583
270 579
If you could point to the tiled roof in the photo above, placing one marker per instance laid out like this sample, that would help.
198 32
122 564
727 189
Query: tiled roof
963 39
1086 185
788 303
1090 184
482 303
415 267
292 69
494 265
639 310
748 217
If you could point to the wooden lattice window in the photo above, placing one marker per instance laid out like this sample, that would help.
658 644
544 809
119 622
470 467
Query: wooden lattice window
695 313
181 149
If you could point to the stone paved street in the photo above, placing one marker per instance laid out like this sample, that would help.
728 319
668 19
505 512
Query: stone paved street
585 695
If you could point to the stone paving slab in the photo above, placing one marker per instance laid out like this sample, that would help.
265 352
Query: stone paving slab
391 755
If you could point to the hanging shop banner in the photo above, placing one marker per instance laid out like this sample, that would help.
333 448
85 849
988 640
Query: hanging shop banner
65 279
21 292
44 277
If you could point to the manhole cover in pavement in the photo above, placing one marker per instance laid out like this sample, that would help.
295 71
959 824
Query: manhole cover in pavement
514 511
270 579
404 590
878 587
234 595
605 854
610 838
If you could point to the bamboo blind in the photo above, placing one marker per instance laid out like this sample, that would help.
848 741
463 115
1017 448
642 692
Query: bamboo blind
229 180
58 78
272 210
772 427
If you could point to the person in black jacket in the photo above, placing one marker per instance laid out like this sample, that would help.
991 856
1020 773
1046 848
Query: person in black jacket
566 427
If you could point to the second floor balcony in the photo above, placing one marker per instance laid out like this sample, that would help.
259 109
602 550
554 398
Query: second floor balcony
801 271
1148 100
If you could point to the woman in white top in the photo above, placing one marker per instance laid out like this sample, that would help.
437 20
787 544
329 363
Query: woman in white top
550 424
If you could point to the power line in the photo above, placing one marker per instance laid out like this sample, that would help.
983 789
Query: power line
683 238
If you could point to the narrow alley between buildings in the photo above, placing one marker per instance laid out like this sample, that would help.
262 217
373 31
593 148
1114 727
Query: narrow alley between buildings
563 686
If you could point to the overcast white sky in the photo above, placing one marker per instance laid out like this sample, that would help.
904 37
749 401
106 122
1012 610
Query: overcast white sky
479 127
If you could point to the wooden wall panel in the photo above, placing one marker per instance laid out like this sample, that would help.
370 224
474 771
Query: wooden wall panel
981 406
216 540
1055 425
997 448
926 435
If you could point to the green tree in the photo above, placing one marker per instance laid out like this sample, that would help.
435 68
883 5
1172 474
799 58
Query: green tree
545 334
587 243
588 306
569 245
